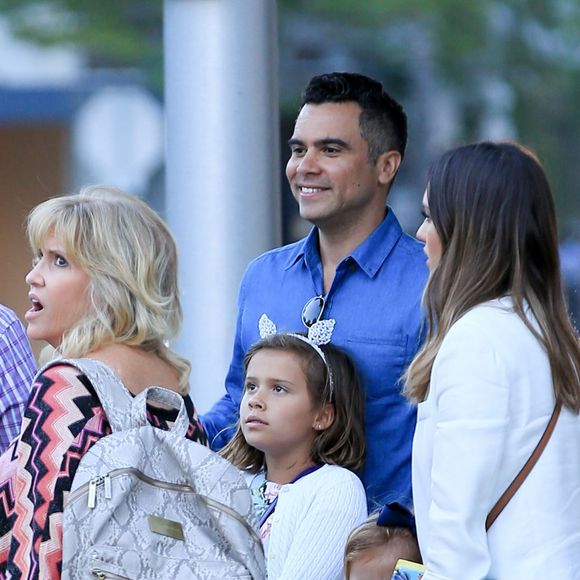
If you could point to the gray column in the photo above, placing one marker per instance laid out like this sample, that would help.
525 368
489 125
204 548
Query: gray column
222 165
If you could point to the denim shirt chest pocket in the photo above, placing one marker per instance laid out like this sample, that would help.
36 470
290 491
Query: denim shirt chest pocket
384 361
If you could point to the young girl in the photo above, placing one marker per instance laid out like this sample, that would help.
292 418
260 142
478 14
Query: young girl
500 359
300 433
103 286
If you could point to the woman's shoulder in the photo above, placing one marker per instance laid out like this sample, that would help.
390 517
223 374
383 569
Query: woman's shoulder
70 367
94 376
60 372
495 308
492 335
489 321
58 388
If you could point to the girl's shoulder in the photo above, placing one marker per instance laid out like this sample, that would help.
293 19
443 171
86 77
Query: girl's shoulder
334 476
337 471
326 476
332 486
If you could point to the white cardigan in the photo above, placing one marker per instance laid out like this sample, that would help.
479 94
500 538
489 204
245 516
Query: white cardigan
311 524
490 399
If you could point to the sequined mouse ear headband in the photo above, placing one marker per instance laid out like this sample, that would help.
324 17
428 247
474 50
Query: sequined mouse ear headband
319 333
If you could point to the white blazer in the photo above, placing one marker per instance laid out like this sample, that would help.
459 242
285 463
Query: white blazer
489 401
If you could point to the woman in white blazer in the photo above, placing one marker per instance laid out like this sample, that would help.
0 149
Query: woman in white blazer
500 353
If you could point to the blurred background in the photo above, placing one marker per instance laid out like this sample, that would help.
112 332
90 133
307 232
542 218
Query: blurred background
82 98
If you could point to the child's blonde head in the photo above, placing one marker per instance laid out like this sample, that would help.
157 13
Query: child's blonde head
372 551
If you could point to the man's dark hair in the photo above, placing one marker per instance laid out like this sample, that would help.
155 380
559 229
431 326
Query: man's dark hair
382 122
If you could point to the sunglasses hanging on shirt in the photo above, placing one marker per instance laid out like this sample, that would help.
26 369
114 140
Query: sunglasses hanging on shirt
313 310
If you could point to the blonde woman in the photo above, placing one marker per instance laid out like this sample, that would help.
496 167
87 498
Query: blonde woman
103 286
500 354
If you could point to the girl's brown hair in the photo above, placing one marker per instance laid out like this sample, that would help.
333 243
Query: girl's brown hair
343 442
493 211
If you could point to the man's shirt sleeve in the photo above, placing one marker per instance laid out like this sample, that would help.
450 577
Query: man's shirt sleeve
17 369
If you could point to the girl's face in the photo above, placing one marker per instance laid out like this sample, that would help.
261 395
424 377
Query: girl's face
58 293
428 234
276 414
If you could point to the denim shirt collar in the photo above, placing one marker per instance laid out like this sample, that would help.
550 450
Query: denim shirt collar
369 255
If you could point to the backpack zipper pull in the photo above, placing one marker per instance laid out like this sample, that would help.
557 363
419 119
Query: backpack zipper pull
92 499
108 487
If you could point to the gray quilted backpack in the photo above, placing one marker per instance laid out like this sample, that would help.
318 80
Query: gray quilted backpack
147 503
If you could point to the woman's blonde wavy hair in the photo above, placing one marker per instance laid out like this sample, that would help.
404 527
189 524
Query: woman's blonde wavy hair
131 259
493 210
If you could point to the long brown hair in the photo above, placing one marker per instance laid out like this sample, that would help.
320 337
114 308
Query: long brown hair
342 443
493 210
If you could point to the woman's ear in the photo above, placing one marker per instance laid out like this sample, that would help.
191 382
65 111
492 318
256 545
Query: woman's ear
324 418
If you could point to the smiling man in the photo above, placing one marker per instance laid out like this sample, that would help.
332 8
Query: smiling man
356 266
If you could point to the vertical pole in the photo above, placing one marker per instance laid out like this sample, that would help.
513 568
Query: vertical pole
222 165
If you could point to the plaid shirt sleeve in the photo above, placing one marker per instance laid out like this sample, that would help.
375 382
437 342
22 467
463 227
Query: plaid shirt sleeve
17 369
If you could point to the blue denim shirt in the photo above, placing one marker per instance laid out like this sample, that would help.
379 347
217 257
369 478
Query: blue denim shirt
375 298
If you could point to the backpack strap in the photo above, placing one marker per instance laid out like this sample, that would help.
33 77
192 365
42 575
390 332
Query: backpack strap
525 470
161 395
123 411
113 395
